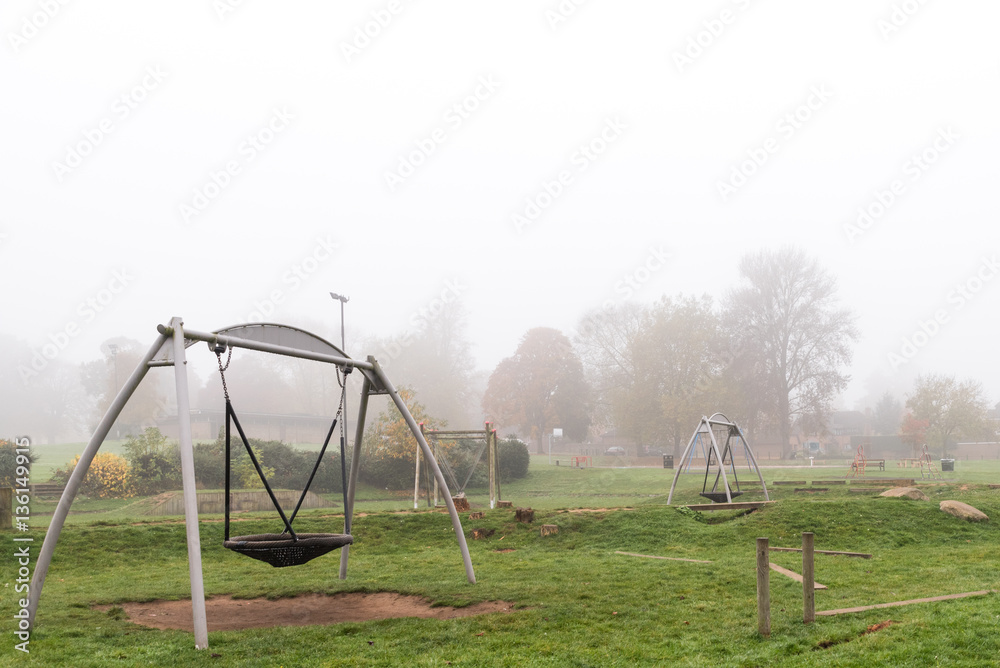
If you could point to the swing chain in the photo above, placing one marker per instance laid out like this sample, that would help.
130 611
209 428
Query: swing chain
222 369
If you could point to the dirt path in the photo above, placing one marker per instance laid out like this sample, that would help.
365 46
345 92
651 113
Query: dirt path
228 614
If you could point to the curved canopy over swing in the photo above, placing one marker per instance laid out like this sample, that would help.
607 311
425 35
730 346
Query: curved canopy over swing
287 548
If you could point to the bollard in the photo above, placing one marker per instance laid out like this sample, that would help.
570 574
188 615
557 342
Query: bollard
763 588
808 576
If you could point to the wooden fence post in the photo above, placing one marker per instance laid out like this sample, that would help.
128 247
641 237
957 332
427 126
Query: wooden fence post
763 588
808 588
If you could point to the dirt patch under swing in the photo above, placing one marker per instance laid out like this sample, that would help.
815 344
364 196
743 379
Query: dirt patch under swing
228 614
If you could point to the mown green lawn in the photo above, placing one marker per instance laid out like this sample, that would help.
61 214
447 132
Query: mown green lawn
577 602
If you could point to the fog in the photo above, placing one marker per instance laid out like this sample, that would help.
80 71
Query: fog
228 161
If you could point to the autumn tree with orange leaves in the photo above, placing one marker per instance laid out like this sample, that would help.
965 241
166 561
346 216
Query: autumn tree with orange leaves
541 386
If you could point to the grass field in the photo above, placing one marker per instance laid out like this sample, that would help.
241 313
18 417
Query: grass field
577 602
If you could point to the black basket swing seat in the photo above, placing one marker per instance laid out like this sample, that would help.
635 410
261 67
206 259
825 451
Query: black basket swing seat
287 548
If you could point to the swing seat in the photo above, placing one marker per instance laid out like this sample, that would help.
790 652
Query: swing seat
719 497
280 549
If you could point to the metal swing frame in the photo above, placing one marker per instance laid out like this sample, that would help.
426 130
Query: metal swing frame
705 426
169 350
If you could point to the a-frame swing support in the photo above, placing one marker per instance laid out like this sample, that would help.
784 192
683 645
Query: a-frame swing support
169 350
705 426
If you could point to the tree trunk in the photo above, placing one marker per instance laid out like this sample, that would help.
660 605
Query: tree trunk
784 428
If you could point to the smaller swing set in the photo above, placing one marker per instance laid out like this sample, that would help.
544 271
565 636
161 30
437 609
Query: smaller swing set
712 431
487 439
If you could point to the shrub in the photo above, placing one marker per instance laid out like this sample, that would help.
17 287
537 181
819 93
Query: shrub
108 477
514 458
244 475
155 462
387 472
9 463
286 468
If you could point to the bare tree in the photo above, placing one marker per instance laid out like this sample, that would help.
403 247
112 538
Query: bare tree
794 336
46 402
435 360
606 341
103 378
887 415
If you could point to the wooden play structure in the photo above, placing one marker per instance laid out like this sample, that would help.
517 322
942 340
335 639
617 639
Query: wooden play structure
488 446
927 467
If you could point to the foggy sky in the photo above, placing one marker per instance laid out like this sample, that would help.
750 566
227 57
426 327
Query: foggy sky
229 161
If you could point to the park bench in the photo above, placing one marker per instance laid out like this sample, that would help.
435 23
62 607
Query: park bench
871 463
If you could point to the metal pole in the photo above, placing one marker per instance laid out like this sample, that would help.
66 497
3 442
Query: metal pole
456 522
236 342
496 464
76 479
435 451
355 468
491 465
677 471
190 491
753 459
343 348
722 464
808 579
416 474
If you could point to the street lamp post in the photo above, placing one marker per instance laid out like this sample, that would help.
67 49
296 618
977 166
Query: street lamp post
343 345
343 300
113 349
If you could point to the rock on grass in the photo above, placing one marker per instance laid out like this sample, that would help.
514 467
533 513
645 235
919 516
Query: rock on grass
906 492
964 511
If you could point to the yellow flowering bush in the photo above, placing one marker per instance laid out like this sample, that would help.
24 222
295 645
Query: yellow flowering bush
108 477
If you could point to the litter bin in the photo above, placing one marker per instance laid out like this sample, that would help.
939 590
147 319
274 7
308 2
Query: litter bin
947 464
668 461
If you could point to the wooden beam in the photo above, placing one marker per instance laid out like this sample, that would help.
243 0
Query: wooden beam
653 556
789 482
892 482
863 608
736 505
845 554
829 482
795 576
